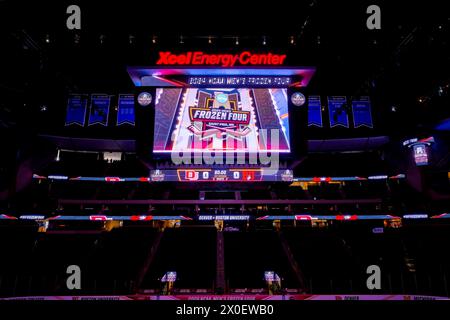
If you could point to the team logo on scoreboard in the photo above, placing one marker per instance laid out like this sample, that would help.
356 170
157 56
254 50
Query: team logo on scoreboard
144 99
191 175
157 175
217 115
287 175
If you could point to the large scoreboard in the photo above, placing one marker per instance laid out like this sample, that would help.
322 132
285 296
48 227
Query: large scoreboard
221 120
229 103
221 175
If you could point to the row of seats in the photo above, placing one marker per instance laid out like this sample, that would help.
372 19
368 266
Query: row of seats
413 259
191 252
36 263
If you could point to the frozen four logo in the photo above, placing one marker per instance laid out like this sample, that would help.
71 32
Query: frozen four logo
221 119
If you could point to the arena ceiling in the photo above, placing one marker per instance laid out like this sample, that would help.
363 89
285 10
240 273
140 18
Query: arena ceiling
404 66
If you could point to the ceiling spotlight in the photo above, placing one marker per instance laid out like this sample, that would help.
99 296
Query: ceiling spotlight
318 40
209 40
394 109
292 40
43 108
264 41
102 38
131 39
154 39
181 40
47 38
237 41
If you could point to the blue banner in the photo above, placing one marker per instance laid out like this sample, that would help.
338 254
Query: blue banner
314 111
362 115
125 112
99 109
338 111
76 110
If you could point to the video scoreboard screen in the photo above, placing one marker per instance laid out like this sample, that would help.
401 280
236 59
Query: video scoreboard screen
420 154
225 175
239 81
240 120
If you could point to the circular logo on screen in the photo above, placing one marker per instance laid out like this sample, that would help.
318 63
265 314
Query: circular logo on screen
298 99
144 99
222 98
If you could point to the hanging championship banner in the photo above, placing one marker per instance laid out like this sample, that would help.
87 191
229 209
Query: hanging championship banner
338 111
362 115
76 109
125 110
99 111
314 111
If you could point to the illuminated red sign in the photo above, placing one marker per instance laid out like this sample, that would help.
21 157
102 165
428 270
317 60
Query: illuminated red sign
98 218
141 218
321 179
347 217
113 179
303 217
223 60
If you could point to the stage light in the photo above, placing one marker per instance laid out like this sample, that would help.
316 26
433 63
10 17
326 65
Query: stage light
237 41
394 109
47 38
102 38
181 40
43 108
318 40
264 41
154 39
209 40
58 153
292 40
131 39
